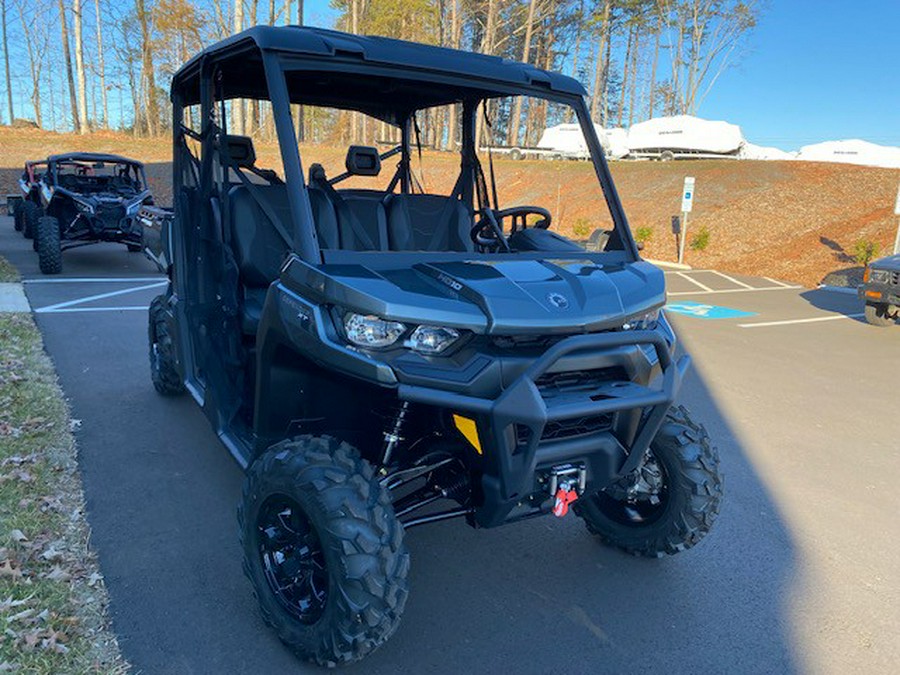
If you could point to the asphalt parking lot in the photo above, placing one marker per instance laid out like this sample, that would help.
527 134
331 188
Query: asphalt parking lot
799 574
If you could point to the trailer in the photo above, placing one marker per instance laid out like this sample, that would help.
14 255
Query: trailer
684 137
562 141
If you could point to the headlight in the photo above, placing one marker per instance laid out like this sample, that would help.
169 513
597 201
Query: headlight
133 208
432 339
879 276
644 322
367 330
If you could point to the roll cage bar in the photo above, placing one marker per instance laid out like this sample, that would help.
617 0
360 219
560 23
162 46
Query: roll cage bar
203 81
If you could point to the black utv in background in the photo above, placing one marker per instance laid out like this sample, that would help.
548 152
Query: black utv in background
27 204
381 349
881 291
87 198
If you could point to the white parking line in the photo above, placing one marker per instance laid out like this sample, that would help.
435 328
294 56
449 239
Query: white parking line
100 296
790 322
775 281
695 282
735 290
733 280
73 310
91 280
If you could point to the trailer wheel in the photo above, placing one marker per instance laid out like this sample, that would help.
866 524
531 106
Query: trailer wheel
666 156
48 245
323 549
515 154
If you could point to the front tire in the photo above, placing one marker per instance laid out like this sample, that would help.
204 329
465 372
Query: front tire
880 315
163 368
669 504
323 550
17 216
31 212
49 247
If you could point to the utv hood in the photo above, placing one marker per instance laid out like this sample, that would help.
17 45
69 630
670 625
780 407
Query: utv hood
499 297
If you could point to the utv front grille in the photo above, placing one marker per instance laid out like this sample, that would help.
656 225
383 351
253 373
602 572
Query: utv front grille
554 384
525 342
110 217
558 430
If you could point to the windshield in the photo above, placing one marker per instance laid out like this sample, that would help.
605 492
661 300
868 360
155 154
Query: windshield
522 181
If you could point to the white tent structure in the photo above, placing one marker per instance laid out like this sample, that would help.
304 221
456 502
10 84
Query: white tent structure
684 136
852 152
752 151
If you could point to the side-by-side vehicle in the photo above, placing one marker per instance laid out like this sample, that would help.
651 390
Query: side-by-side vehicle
382 346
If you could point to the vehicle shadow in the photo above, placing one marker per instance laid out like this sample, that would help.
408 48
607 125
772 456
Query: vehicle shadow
836 302
840 253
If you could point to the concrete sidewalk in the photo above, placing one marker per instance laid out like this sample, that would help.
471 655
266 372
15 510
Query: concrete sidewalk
12 298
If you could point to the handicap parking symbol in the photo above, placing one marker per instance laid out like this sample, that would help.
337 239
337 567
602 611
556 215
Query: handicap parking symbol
702 311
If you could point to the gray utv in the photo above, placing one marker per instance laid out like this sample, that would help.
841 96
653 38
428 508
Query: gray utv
378 359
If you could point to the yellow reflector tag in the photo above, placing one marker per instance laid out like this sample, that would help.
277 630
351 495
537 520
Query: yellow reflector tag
468 429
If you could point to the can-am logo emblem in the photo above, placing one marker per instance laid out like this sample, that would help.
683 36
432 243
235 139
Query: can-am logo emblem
557 300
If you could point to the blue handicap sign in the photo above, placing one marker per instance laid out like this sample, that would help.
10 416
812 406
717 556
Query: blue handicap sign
702 311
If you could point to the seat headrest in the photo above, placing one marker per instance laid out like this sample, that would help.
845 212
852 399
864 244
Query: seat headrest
316 174
363 160
240 150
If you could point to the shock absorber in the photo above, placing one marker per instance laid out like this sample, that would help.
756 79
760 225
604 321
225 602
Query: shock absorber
392 436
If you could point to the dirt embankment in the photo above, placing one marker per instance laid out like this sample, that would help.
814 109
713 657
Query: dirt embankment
792 220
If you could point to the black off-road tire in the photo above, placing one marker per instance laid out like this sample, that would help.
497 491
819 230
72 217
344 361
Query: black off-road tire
17 215
31 212
361 540
880 315
693 494
49 247
163 370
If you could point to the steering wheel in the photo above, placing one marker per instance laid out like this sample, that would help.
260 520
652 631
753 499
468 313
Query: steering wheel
487 233
519 215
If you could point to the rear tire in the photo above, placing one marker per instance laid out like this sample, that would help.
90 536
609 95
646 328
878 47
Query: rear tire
686 468
31 212
323 550
880 315
163 366
17 216
49 247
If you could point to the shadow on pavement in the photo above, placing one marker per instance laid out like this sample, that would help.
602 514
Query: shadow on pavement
835 302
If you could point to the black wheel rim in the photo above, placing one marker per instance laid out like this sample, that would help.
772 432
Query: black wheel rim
639 499
292 558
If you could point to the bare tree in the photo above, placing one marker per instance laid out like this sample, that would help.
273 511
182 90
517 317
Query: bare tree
79 67
100 63
67 56
237 105
513 137
35 30
9 98
148 75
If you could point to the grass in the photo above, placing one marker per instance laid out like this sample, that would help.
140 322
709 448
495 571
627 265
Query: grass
7 271
52 596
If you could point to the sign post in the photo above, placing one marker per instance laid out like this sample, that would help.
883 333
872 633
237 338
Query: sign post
687 202
897 213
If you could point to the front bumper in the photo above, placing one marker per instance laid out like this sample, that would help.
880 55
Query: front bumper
512 428
881 294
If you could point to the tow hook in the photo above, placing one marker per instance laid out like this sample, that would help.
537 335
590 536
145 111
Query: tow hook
567 482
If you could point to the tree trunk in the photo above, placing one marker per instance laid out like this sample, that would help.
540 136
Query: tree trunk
67 55
79 67
100 63
237 104
626 62
301 114
635 50
600 66
454 43
35 61
653 69
9 96
513 138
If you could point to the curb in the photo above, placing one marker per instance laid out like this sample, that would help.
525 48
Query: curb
666 263
12 298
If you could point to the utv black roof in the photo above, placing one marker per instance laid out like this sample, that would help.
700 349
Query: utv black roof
331 54
92 157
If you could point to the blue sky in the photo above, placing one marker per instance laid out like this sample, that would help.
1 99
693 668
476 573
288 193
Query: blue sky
815 70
